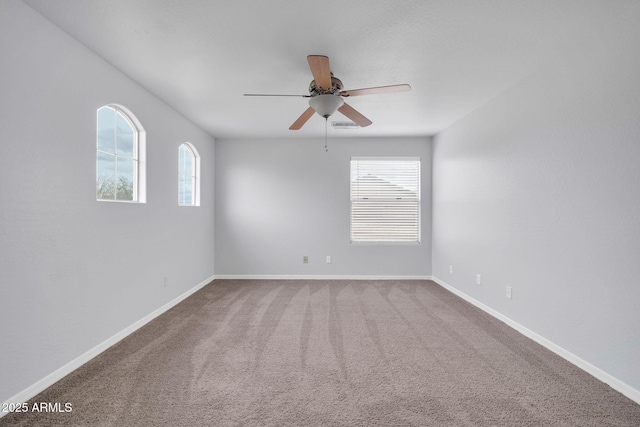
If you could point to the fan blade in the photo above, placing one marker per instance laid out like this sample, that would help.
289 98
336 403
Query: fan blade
268 94
376 90
302 119
354 115
320 69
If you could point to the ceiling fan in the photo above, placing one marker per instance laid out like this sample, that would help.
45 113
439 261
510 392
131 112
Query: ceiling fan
326 94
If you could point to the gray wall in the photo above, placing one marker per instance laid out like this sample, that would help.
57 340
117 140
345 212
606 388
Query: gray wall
74 271
540 190
278 200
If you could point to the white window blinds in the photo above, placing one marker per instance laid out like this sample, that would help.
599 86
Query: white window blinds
385 199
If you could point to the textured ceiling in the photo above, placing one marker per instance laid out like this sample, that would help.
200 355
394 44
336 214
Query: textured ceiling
200 56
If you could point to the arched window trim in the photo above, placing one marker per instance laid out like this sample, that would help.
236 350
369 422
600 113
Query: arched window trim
140 178
196 176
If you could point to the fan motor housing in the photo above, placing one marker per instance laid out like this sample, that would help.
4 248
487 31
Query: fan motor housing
336 87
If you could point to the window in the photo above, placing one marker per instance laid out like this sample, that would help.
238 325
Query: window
119 156
188 175
385 199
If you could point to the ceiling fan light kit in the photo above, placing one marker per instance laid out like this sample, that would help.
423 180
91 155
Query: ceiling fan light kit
326 105
327 95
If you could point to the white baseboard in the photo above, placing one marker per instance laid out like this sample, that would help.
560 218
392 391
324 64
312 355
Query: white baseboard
65 370
598 373
315 277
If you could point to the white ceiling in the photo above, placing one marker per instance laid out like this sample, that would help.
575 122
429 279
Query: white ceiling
200 56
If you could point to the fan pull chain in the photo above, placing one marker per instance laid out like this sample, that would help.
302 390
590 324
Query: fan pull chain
326 120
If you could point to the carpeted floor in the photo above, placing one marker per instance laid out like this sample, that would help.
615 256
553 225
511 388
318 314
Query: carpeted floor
329 353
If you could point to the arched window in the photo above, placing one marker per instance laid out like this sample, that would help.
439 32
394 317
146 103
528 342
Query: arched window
188 175
119 156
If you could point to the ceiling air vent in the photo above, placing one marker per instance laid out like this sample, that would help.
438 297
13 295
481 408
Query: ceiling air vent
344 125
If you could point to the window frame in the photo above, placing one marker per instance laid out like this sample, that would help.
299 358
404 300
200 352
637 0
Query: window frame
356 237
138 154
194 176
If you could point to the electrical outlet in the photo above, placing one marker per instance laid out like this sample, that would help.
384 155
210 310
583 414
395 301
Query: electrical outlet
508 292
450 269
328 259
478 279
305 259
165 281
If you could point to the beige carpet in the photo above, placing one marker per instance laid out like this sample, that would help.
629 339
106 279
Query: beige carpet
329 353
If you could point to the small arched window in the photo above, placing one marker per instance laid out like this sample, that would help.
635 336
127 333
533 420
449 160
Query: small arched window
188 175
119 156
